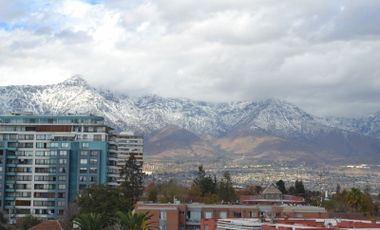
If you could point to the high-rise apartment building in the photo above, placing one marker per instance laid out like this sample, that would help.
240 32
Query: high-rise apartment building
121 147
46 160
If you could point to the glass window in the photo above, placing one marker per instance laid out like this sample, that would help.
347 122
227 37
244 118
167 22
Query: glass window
162 215
83 161
94 153
223 215
61 186
208 215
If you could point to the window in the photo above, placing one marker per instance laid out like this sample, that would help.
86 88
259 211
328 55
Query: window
84 153
237 214
94 153
223 215
60 203
93 170
53 145
85 145
83 161
63 153
83 170
208 215
162 215
61 186
253 214
65 145
62 161
93 161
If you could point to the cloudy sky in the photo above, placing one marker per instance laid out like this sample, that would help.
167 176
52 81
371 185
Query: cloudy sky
321 55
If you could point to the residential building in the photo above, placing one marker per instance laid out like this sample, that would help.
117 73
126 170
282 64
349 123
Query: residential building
46 160
270 196
294 223
121 147
197 216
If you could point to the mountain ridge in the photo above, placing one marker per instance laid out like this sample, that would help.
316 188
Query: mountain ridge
206 122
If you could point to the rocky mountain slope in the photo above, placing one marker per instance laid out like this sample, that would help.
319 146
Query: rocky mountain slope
261 130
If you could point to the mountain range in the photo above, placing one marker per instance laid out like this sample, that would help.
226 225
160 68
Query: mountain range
241 132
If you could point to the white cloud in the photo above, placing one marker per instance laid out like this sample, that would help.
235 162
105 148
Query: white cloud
321 55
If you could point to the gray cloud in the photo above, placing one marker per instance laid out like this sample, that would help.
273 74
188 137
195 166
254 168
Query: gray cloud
321 55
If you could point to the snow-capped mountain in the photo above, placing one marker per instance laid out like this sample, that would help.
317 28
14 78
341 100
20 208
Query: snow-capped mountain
151 113
148 113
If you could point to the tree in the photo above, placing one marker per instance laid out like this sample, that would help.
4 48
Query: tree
71 211
100 199
338 188
281 186
152 192
366 204
292 190
170 190
299 188
354 199
226 191
251 190
206 184
29 221
132 181
91 221
133 221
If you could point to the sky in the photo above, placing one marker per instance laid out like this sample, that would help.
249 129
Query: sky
323 56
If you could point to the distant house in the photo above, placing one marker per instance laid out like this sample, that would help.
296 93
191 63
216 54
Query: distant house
271 196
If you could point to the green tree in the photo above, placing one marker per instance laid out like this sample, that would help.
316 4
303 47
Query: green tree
281 186
299 188
366 205
29 221
91 221
100 199
132 181
354 199
170 190
292 190
206 184
226 191
133 221
152 192
338 188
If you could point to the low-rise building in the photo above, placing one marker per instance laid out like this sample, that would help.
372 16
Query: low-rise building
271 196
197 216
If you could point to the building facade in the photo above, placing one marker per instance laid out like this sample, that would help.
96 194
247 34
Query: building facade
45 161
121 147
197 216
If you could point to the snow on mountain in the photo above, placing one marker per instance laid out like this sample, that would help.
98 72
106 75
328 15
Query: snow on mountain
149 113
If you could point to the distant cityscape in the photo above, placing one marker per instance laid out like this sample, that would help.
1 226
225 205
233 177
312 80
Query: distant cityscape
315 178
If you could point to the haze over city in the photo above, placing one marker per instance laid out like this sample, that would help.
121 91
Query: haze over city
319 55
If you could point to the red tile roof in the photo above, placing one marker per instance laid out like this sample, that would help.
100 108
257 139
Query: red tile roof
48 225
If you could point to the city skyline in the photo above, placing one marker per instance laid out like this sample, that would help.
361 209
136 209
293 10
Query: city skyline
321 56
